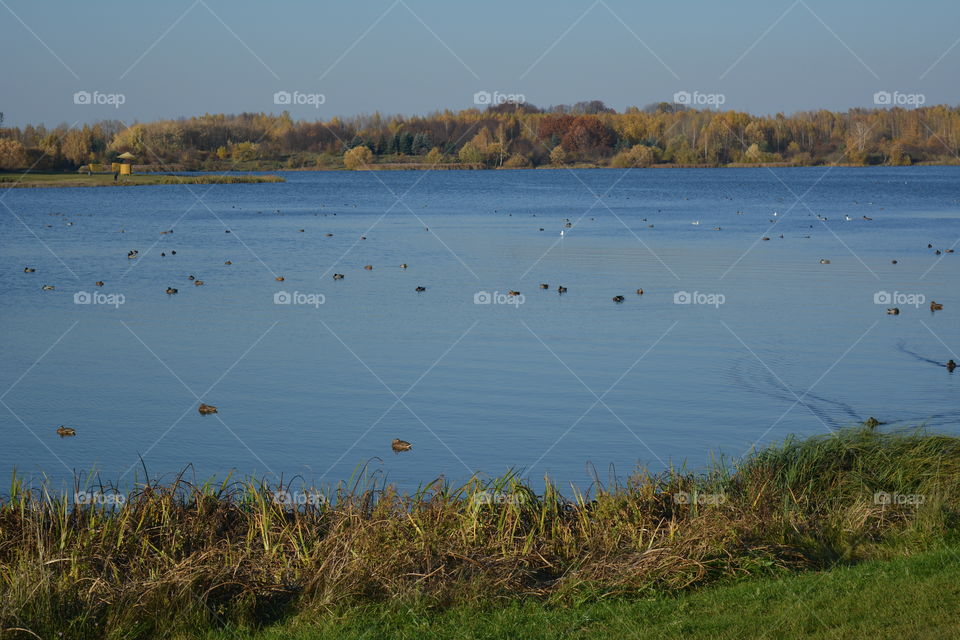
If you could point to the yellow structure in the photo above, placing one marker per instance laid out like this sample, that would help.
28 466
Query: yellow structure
126 167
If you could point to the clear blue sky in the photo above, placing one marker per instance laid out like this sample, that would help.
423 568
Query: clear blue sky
185 57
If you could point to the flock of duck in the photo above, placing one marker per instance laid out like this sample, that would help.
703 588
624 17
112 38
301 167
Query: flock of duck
401 445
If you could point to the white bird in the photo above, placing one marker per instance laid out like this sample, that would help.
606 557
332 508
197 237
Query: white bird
695 222
561 233
847 218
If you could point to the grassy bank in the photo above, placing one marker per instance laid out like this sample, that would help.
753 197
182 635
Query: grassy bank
903 598
21 180
175 557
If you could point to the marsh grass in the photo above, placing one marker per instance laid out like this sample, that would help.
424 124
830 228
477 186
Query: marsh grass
181 555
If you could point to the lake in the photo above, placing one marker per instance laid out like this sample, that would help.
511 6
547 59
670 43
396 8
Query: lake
736 341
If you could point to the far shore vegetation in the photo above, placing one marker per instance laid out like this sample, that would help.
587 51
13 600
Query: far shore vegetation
74 179
503 136
846 525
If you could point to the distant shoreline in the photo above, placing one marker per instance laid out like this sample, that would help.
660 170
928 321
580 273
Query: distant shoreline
53 180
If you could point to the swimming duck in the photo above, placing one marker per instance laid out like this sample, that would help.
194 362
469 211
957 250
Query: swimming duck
893 311
163 254
618 299
639 292
48 287
206 409
99 283
511 292
191 277
28 270
824 261
368 267
171 291
329 235
544 286
302 230
338 276
64 432
227 262
132 254
279 278
421 289
198 283
867 218
951 365
561 289
764 238
400 445
935 306
403 266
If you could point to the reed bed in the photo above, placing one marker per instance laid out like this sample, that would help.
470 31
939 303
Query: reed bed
179 555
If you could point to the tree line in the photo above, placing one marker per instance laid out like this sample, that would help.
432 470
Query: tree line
505 135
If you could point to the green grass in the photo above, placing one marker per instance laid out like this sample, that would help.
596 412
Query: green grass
40 180
913 597
179 556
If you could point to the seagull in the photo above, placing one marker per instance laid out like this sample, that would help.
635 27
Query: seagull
847 218
695 222
561 233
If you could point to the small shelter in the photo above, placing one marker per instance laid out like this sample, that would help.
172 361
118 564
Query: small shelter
124 168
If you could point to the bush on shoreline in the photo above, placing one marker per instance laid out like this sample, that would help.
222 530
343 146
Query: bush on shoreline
181 555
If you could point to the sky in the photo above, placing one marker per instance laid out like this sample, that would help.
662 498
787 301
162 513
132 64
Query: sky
75 62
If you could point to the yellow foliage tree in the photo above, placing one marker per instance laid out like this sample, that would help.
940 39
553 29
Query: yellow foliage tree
358 158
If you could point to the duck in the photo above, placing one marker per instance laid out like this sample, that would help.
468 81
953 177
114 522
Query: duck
951 365
279 278
99 283
639 292
363 237
198 283
171 291
561 289
824 261
338 276
329 235
937 252
544 286
935 306
403 266
511 292
399 445
618 299
206 409
893 262
368 267
191 277
893 311
64 432
302 230
132 254
48 287
163 254
764 238
228 262
28 269
421 289
867 218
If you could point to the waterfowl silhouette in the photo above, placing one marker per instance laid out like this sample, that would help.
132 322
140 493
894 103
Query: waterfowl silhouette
639 292
279 278
338 276
64 432
561 289
368 267
403 266
171 291
191 277
893 311
399 445
28 270
544 286
48 287
618 299
206 409
99 283
935 306
951 365
198 283
133 253
824 261
227 262
421 289
511 292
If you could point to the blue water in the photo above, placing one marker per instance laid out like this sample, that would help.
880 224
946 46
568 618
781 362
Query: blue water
570 386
